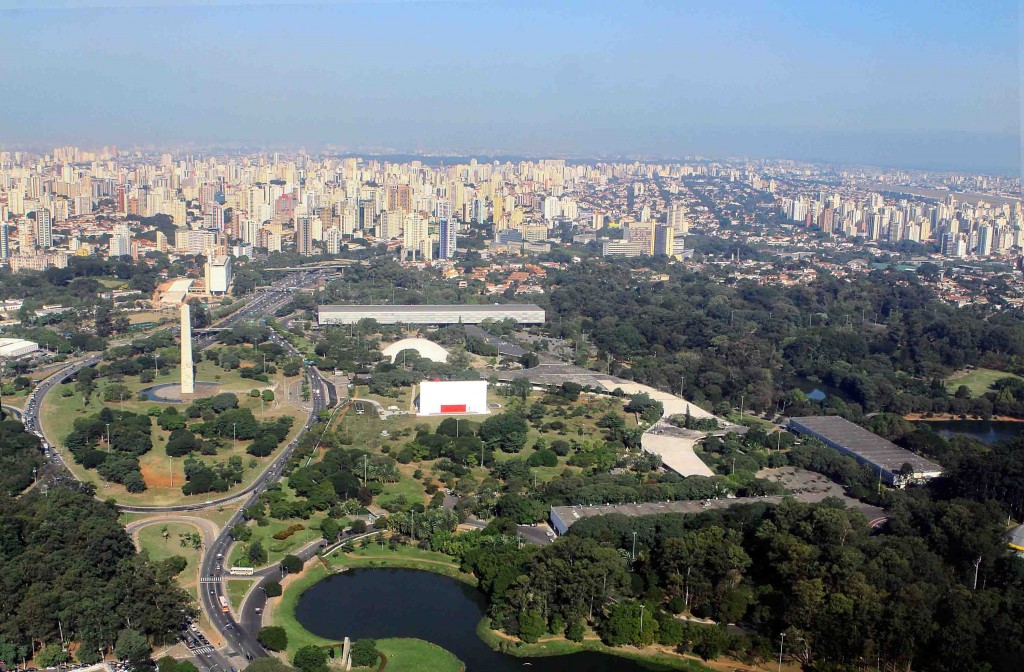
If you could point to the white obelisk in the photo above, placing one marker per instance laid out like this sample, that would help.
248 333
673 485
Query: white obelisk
187 373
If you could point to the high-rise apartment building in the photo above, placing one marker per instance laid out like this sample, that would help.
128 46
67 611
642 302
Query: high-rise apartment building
446 249
44 228
304 235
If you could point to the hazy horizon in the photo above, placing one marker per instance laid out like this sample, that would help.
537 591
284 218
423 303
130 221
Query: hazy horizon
918 85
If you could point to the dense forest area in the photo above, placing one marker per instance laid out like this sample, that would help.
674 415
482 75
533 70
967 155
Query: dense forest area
883 340
69 572
934 591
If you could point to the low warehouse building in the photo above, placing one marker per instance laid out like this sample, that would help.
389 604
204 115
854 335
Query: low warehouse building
448 314
450 397
882 456
16 347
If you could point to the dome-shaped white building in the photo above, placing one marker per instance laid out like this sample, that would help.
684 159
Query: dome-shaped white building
425 348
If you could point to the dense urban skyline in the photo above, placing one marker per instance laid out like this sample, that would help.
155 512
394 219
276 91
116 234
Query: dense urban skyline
906 86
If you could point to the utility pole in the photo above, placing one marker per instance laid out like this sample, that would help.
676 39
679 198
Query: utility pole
781 644
634 546
108 435
977 564
642 605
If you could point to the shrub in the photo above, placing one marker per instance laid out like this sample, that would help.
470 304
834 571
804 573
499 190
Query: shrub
289 531
365 653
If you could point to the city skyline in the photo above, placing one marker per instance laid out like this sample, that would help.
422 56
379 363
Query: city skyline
907 86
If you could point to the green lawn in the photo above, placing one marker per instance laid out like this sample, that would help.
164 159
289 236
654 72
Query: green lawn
277 548
162 541
979 381
416 655
163 476
283 612
237 588
404 557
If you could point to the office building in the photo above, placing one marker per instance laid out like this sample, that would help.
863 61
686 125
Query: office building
664 240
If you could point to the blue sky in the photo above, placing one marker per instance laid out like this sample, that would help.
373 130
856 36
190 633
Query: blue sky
931 84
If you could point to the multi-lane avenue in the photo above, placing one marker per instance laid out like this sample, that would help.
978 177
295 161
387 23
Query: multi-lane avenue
240 643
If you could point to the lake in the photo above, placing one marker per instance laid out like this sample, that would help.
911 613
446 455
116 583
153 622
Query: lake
988 432
379 603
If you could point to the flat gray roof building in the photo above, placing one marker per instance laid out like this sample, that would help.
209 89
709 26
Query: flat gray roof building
562 517
427 314
882 455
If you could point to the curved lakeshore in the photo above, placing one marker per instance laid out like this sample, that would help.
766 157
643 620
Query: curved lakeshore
421 603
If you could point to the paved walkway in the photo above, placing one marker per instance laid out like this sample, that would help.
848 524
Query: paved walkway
675 446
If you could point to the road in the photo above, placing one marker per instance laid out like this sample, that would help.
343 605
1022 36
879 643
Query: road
241 643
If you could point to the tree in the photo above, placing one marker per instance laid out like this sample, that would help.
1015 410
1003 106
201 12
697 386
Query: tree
167 664
186 666
292 564
310 659
132 646
51 655
268 395
272 589
506 431
256 554
365 653
531 626
274 638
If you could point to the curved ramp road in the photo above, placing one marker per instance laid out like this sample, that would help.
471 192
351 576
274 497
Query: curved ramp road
242 644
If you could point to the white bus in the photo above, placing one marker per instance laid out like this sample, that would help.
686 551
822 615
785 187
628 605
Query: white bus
241 571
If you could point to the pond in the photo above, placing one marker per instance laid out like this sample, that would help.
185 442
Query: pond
988 432
816 390
379 603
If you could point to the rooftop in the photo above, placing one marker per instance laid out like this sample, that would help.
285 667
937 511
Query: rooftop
475 308
869 446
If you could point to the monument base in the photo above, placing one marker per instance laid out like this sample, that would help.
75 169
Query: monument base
171 392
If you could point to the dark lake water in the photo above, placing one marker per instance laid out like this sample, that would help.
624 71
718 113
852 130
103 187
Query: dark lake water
381 603
816 390
989 432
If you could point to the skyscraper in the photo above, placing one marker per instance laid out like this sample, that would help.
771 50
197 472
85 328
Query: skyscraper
448 239
5 241
44 228
304 235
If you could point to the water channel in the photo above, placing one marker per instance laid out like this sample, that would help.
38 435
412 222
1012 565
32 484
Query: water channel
381 603
988 432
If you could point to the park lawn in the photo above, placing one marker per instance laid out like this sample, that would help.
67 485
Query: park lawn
417 655
146 316
978 381
164 475
282 613
749 420
408 486
277 548
162 540
237 588
403 557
